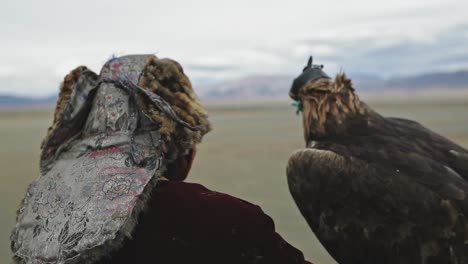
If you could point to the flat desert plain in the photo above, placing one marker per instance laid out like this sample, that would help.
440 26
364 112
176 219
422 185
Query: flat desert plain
245 155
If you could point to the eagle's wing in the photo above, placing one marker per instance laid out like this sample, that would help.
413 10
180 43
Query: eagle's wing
366 213
425 142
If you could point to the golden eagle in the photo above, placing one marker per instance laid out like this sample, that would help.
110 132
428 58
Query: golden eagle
376 189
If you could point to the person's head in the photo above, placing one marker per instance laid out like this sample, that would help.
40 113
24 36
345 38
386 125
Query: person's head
181 119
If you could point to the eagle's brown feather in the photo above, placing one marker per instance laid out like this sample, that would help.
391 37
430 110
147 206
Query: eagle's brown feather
327 104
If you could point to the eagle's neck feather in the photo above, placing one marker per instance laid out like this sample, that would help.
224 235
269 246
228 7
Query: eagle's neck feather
335 114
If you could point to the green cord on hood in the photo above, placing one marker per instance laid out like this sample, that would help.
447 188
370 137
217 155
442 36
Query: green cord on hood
298 105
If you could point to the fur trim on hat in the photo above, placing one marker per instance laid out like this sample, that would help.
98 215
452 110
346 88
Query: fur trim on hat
65 93
166 78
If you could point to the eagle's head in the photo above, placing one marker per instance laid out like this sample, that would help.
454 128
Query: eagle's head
330 108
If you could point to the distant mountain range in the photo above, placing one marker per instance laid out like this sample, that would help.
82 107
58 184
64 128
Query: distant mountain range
256 86
17 101
264 86
277 86
448 80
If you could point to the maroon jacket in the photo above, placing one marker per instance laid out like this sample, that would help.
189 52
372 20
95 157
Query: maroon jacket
187 223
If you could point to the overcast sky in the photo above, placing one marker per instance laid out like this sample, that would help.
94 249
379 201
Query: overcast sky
215 40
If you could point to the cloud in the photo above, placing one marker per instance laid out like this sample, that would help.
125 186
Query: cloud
218 40
391 54
7 71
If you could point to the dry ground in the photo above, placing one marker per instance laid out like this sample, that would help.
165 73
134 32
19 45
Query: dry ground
245 155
